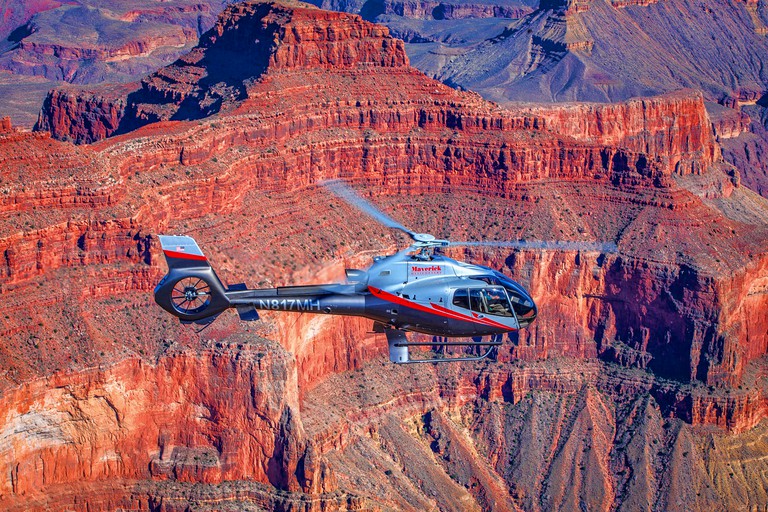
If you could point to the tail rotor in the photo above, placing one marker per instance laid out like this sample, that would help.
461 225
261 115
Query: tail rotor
191 290
191 295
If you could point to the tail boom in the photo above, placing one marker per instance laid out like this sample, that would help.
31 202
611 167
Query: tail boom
193 292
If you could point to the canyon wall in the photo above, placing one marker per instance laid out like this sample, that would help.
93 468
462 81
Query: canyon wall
107 427
537 436
222 424
675 127
94 42
447 10
746 147
650 344
218 70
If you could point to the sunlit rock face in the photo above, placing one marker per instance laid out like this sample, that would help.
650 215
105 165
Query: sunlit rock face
635 386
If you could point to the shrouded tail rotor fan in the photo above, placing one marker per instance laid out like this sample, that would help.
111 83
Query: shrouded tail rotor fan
191 295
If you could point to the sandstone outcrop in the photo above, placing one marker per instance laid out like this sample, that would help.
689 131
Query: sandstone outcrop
217 73
75 114
634 353
5 125
747 148
113 415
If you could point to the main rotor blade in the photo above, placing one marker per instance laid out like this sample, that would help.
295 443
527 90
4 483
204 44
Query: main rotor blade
555 245
345 193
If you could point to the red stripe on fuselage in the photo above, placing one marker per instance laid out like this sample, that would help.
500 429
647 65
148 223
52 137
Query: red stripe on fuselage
184 256
436 310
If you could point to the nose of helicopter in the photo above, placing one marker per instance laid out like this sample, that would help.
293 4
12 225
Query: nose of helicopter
532 312
522 302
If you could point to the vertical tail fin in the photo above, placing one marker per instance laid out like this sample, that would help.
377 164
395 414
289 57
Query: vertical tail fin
182 252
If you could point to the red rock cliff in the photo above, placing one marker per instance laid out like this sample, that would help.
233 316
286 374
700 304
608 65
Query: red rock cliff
114 415
247 40
670 313
456 140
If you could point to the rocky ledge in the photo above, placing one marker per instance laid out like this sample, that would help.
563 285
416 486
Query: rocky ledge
660 335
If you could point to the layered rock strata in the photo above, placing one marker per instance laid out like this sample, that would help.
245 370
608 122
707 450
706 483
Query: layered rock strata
628 48
218 72
645 145
436 10
113 414
547 435
671 313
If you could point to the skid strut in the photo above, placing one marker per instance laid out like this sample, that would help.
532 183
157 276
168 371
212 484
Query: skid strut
398 348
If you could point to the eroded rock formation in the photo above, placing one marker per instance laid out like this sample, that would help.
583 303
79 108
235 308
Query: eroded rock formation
254 433
430 9
633 355
235 53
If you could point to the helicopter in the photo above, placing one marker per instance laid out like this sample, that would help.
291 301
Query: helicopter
417 289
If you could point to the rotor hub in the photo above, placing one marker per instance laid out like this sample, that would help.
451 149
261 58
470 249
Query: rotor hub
430 242
190 293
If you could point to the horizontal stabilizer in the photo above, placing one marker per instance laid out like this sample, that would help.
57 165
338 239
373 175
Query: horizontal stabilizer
247 313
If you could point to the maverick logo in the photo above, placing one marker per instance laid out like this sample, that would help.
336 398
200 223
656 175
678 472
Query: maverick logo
426 270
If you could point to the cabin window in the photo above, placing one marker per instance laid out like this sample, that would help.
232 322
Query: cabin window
523 306
461 299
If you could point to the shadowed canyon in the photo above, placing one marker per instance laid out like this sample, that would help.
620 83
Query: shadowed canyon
641 385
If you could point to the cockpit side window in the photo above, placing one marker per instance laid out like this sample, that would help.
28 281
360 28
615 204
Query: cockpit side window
461 298
498 303
490 301
477 301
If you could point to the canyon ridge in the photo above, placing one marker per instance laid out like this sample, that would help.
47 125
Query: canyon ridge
642 384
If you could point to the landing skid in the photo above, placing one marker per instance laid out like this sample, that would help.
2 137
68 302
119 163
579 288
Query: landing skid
398 348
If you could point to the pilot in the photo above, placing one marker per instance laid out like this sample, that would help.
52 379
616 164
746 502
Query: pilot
497 302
